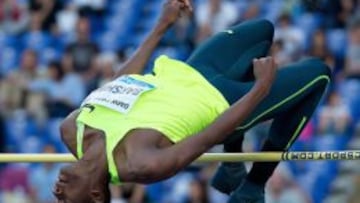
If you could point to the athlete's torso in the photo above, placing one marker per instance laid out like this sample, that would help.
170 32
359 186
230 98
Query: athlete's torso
171 105
135 140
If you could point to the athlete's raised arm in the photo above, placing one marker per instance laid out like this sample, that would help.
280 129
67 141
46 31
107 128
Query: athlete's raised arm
156 164
171 12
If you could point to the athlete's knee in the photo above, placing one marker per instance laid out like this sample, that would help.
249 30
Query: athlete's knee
319 67
267 27
262 26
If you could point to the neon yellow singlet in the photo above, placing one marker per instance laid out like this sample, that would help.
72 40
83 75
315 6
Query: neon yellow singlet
181 104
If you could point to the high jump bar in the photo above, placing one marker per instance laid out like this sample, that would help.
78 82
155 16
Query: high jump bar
207 157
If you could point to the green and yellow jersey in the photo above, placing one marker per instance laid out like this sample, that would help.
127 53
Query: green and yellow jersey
176 100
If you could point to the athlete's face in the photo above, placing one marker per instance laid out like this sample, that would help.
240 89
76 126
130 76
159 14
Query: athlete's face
73 188
70 187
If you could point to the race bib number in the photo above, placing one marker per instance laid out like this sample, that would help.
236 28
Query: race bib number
120 94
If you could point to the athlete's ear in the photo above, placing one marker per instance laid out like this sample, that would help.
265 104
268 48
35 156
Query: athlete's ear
97 196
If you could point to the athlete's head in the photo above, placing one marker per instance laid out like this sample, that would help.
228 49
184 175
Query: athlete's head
75 185
87 180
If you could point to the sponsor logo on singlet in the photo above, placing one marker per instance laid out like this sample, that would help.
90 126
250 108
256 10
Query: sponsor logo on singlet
230 32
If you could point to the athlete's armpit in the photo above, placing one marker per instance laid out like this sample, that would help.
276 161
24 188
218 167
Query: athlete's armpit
68 131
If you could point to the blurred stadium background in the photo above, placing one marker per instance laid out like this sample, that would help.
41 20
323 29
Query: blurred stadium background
54 52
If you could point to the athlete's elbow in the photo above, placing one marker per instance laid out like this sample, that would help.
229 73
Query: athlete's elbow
141 170
147 171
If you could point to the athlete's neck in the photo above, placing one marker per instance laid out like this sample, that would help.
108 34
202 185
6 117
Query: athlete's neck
94 162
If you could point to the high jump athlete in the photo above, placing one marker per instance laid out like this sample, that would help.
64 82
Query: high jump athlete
146 128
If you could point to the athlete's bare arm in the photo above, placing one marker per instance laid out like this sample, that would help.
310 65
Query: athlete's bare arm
68 131
135 65
148 164
171 11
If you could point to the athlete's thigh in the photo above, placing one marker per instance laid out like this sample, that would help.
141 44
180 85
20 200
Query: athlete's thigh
223 50
232 90
292 84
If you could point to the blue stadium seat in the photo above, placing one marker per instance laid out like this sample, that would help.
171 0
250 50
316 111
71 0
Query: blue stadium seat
155 192
308 23
329 142
64 39
117 24
6 40
271 10
120 5
241 5
108 41
31 144
36 40
60 147
18 129
337 41
53 130
350 93
307 182
9 59
321 188
49 54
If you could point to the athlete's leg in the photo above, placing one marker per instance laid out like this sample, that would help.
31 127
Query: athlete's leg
283 133
294 95
231 52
